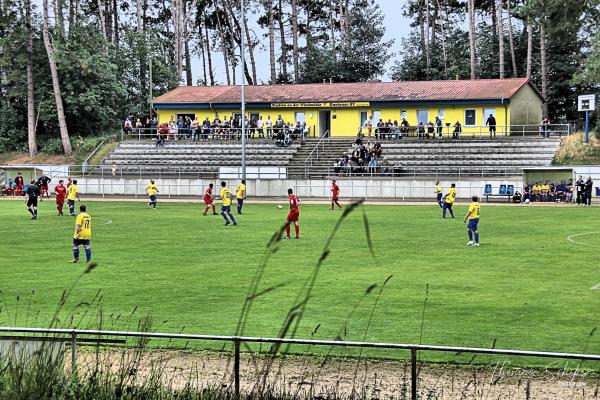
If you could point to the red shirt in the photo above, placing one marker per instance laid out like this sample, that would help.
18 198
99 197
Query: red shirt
335 189
294 202
208 195
60 191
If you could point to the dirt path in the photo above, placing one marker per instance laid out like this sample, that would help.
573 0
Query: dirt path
318 377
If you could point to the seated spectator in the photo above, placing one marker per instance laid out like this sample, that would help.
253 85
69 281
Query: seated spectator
396 130
545 191
536 192
457 130
372 165
516 197
526 193
404 124
420 130
127 126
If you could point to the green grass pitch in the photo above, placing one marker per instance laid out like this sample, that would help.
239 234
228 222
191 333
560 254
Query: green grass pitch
527 286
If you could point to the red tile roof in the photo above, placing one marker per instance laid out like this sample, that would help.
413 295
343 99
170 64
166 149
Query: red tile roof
479 89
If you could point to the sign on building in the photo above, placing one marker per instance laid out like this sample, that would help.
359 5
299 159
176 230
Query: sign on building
586 102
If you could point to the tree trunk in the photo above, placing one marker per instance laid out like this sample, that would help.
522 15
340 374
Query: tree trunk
60 19
71 14
444 12
101 19
177 37
529 47
138 13
471 12
295 54
31 138
211 74
499 9
62 124
272 43
116 22
427 48
201 44
108 19
511 43
188 59
284 71
544 69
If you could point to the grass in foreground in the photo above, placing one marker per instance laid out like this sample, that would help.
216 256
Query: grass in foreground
526 287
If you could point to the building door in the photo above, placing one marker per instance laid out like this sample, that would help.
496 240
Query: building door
363 118
423 116
324 122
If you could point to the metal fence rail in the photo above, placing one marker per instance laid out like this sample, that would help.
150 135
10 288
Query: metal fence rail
238 340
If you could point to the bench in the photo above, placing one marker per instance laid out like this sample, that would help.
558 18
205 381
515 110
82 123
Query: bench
504 191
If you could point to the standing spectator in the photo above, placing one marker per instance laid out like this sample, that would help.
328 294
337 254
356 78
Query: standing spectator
251 128
430 130
305 129
113 169
438 126
19 183
457 130
139 126
491 123
181 131
172 130
544 131
588 191
205 128
269 125
580 187
195 127
260 124
369 126
420 130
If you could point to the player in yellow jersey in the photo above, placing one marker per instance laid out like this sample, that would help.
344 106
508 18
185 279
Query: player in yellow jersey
439 193
72 195
240 195
473 218
226 197
151 190
83 234
449 201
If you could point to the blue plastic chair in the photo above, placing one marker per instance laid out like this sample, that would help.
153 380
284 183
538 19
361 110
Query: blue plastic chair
502 190
510 190
487 189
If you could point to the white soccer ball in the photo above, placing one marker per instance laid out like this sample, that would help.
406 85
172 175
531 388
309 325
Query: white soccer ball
280 206
526 201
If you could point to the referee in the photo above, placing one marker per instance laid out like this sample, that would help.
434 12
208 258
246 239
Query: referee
32 194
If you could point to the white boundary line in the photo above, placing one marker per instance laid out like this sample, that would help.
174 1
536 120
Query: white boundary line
571 238
596 287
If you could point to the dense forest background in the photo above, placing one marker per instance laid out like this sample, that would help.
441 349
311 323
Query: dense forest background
78 67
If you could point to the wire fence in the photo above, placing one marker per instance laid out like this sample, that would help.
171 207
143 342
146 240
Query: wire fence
75 336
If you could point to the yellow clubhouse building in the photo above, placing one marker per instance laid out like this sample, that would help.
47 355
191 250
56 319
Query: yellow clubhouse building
341 109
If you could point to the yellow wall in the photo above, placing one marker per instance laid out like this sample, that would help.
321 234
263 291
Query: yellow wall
346 121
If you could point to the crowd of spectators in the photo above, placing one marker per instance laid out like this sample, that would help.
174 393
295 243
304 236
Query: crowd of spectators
395 130
18 187
363 159
228 128
567 192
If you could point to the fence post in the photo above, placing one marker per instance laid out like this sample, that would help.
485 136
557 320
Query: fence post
413 374
73 353
236 367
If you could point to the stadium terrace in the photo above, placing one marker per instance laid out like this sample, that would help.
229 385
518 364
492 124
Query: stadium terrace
342 109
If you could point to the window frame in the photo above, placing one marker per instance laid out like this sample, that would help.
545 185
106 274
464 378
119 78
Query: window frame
474 124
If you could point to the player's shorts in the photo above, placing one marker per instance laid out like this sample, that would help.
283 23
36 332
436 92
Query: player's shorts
240 201
473 224
60 199
293 216
71 203
225 209
335 198
81 242
208 202
153 198
32 202
44 188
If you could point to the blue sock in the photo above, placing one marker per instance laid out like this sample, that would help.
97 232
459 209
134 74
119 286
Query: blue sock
476 237
470 234
76 253
88 254
224 216
231 216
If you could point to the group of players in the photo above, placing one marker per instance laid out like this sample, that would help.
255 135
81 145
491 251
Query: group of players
446 201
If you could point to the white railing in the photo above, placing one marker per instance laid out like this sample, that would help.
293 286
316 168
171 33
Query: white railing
202 133
314 154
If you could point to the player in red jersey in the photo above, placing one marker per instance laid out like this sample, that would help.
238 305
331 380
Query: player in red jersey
60 190
335 192
293 215
209 200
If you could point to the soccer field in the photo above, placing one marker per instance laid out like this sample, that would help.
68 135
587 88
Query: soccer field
528 286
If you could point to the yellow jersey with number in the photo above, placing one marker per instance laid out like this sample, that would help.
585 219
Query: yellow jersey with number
85 221
225 194
72 192
474 210
450 196
241 191
151 189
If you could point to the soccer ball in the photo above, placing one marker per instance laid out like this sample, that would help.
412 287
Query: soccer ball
280 206
526 201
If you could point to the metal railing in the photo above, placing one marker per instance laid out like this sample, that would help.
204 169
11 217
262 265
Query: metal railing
84 164
314 154
465 132
400 171
74 334
203 133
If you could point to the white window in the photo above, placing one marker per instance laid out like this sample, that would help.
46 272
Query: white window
487 112
403 114
441 114
423 116
376 117
470 117
363 118
300 117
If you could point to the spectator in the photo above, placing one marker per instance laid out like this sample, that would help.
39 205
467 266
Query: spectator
491 123
588 191
536 192
138 126
396 130
372 165
127 126
430 130
517 197
580 187
420 130
19 183
260 124
369 126
251 128
306 129
195 129
153 125
526 193
269 127
113 169
404 124
438 125
457 130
